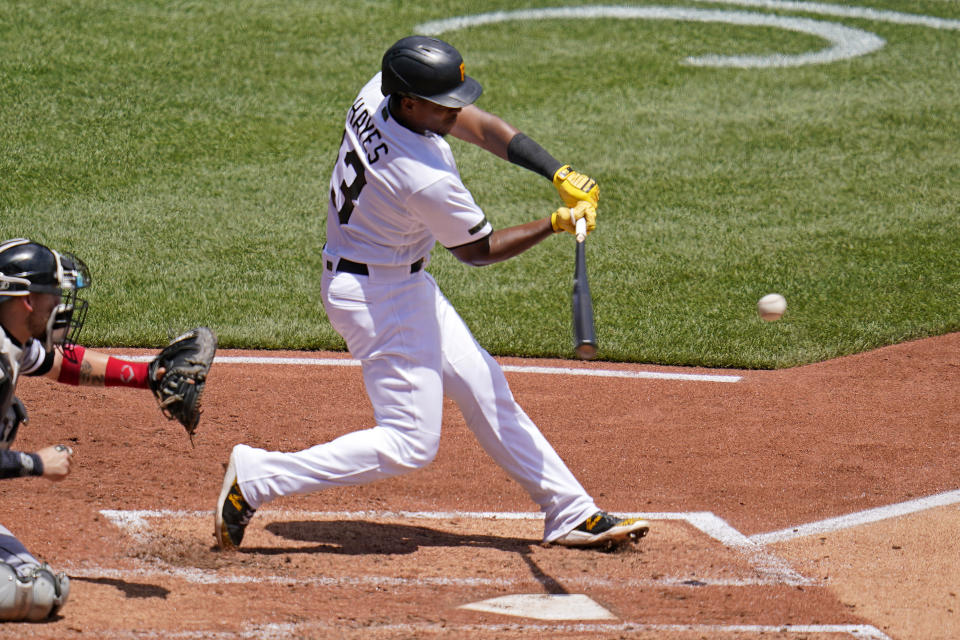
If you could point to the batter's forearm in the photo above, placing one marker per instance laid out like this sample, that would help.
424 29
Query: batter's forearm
572 186
504 244
512 241
527 153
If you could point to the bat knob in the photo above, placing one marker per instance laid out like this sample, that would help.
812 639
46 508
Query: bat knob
581 229
586 351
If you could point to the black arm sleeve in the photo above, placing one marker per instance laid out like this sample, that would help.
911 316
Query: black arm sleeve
15 464
525 152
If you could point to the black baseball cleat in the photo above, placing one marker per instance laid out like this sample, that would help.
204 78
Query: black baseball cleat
233 513
604 530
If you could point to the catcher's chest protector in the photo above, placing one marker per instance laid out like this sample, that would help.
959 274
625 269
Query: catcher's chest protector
9 405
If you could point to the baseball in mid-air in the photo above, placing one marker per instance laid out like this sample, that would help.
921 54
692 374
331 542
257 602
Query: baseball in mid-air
771 306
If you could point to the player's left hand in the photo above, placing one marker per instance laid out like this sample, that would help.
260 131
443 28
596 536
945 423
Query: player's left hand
575 186
564 219
178 375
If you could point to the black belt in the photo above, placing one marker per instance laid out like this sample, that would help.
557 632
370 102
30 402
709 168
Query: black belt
360 269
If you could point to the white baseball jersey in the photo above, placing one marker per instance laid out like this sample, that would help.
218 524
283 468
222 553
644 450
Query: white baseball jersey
394 193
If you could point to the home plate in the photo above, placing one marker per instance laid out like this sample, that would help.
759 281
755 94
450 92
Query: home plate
544 606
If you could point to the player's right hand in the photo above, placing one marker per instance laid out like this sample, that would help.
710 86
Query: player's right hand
564 219
56 462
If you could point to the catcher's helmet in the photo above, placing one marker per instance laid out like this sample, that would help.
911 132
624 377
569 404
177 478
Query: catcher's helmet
28 267
430 69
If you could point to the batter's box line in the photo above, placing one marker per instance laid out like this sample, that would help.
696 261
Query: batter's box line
196 575
773 570
278 631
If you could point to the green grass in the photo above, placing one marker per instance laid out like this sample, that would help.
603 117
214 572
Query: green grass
183 150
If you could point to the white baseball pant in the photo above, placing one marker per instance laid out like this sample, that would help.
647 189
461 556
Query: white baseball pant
414 348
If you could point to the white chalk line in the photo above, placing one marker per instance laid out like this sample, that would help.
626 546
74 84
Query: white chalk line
715 527
843 11
195 575
280 631
860 518
846 42
564 371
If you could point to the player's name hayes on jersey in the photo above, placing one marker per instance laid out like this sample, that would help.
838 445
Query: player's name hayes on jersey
362 124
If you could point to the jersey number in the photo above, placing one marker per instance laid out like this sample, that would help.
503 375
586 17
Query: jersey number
350 191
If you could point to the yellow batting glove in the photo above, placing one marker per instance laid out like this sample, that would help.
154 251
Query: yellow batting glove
564 219
575 186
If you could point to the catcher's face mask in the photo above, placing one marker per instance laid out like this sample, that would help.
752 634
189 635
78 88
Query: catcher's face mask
67 318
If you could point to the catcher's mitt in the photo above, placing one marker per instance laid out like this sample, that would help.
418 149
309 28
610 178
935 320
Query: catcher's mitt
185 363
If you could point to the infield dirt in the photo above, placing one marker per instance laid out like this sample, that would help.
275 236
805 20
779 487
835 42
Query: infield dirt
774 450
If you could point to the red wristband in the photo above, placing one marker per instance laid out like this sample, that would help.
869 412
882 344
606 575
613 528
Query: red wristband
70 365
122 373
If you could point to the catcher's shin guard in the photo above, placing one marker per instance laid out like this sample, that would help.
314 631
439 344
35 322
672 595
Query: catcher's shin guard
35 596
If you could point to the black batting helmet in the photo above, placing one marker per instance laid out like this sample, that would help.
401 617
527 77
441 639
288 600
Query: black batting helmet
29 267
430 69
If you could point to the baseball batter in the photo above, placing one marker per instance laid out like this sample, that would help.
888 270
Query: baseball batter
395 192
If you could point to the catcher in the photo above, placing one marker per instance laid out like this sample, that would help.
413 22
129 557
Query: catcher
41 315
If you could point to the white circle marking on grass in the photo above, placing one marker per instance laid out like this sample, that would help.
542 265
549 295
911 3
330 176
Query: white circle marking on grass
845 42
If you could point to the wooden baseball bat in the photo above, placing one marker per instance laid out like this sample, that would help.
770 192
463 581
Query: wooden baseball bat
584 334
